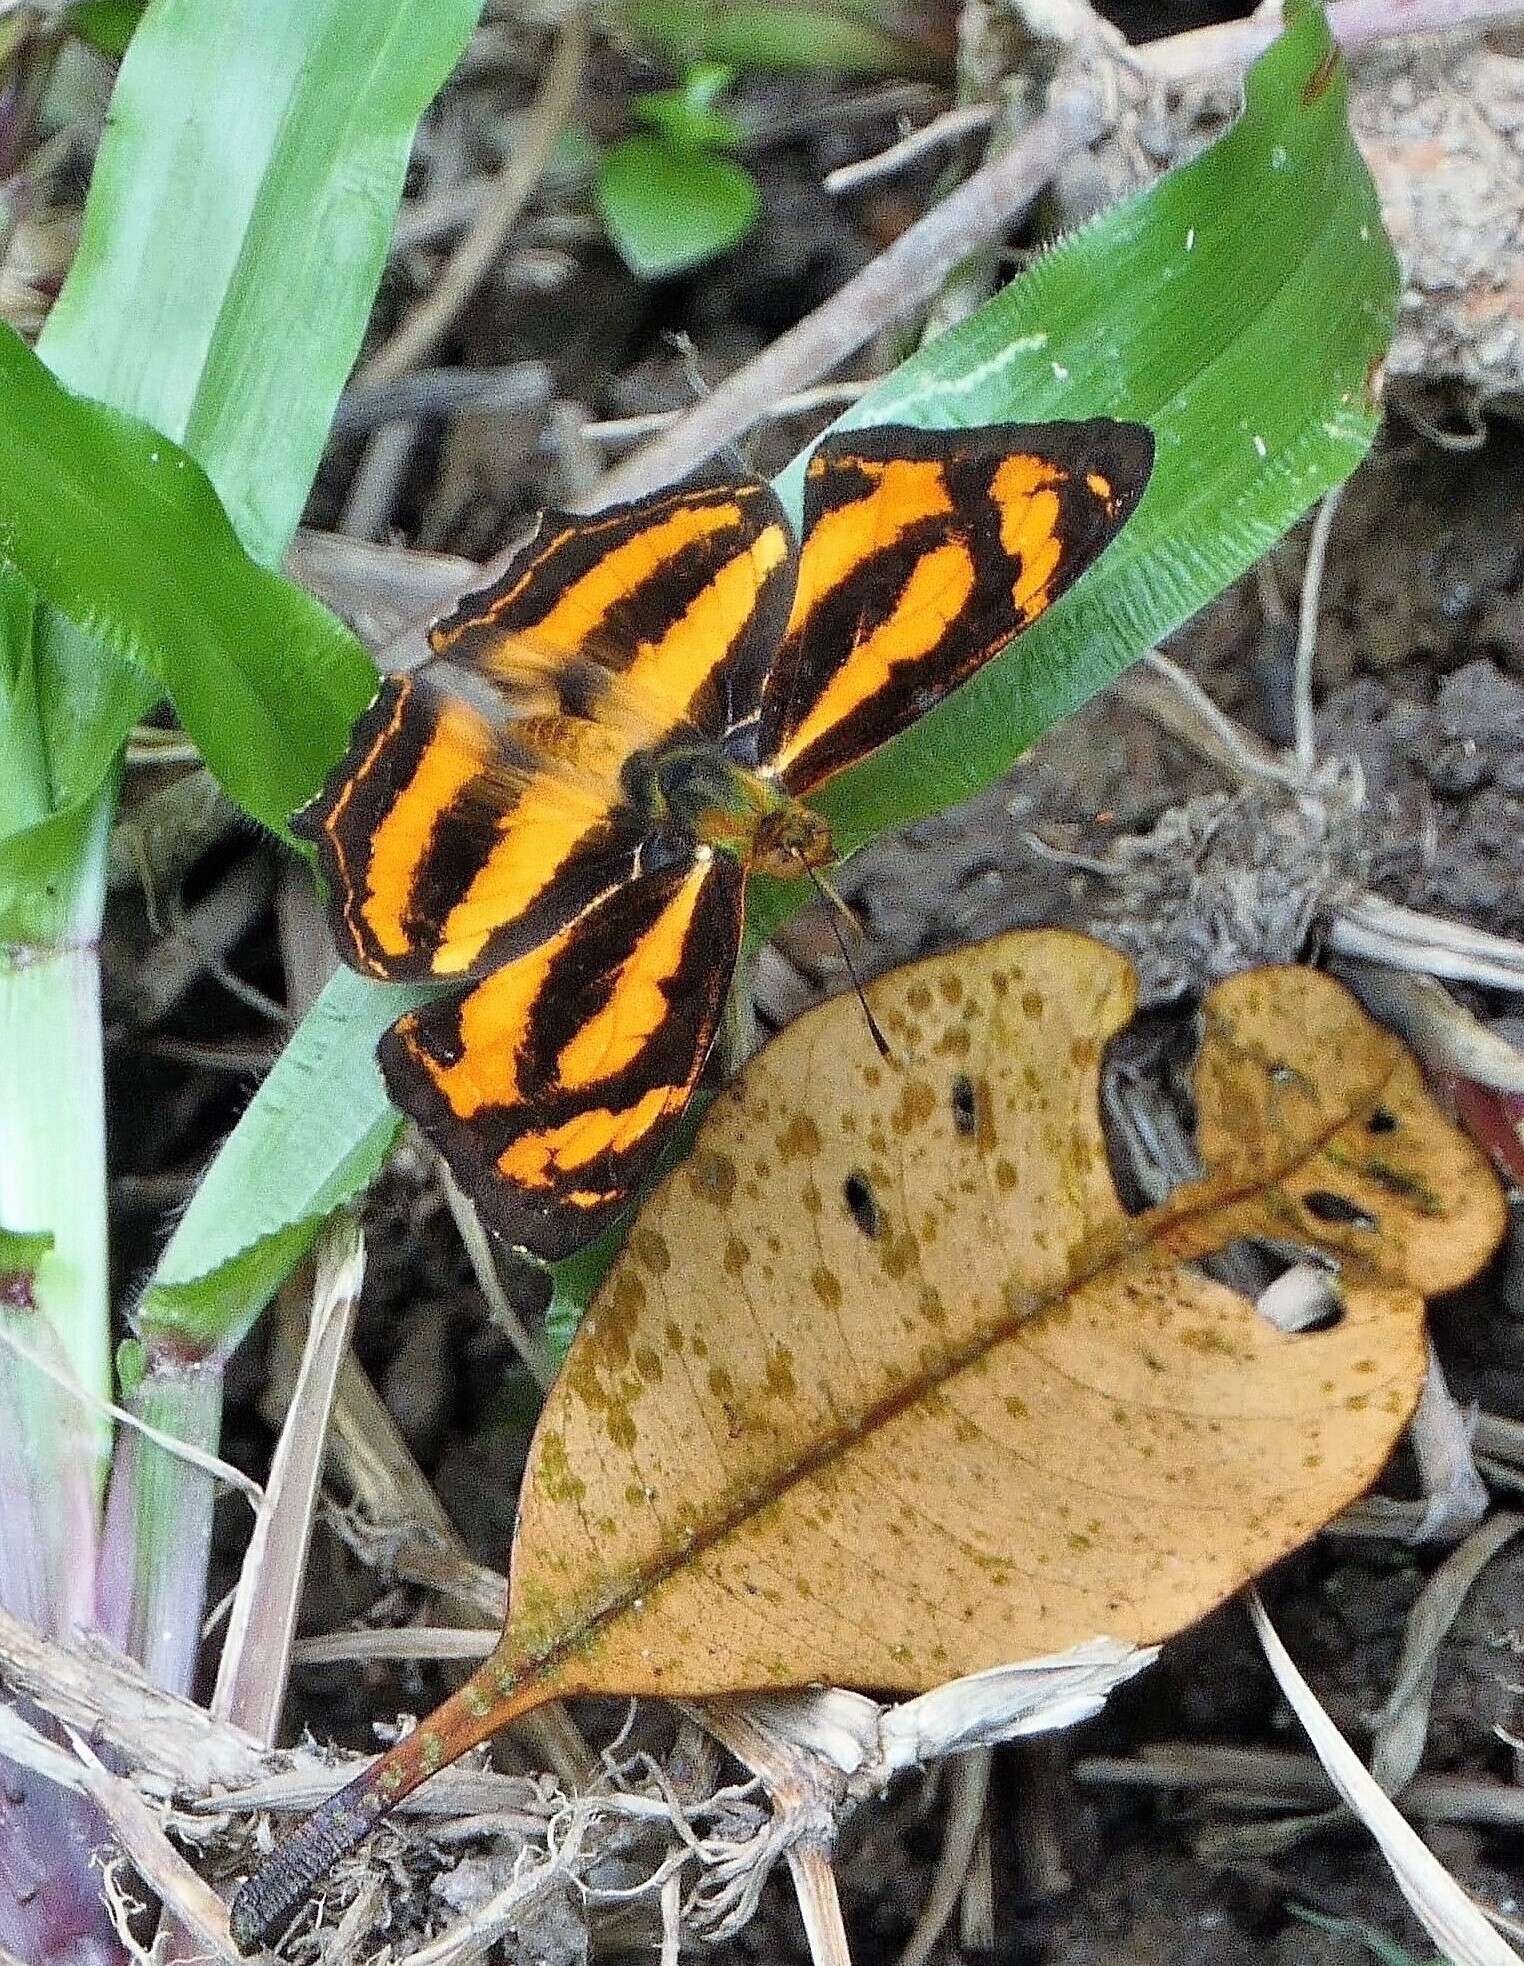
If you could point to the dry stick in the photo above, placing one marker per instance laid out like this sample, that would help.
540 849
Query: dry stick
197 1911
1269 1778
1230 47
256 1655
1302 718
251 1678
1401 1729
631 429
968 1783
949 127
902 277
825 1930
429 320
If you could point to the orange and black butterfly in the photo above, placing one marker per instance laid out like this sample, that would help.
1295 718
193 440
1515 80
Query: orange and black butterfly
556 815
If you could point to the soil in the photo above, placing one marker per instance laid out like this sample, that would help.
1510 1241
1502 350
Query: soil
1420 677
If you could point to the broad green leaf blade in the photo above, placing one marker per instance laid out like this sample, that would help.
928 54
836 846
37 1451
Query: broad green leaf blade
105 24
667 208
317 1131
236 229
237 226
1270 333
120 532
1240 308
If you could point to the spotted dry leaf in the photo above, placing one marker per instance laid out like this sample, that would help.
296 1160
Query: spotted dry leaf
887 1387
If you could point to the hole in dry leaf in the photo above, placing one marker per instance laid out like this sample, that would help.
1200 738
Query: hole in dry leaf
1291 1286
1381 1121
1326 1206
1148 1108
965 1107
862 1204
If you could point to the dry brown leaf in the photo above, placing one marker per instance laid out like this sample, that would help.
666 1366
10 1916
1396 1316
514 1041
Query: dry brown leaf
887 1387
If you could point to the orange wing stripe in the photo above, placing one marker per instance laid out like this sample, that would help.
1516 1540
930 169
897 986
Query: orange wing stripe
905 491
451 760
581 611
676 667
539 1160
936 593
638 1003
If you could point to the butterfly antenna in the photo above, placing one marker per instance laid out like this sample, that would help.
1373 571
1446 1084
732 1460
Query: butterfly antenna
828 893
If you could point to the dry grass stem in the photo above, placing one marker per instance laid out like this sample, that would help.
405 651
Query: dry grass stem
1303 716
950 127
424 326
251 1679
1402 1726
194 1905
1456 1923
1264 1778
967 1790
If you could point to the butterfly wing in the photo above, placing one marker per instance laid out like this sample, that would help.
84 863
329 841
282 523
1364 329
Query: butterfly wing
676 602
553 1086
497 794
454 834
924 553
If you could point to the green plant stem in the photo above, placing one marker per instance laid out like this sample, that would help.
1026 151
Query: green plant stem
55 1366
53 1122
158 1528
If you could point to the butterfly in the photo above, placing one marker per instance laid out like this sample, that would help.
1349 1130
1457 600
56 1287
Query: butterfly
554 817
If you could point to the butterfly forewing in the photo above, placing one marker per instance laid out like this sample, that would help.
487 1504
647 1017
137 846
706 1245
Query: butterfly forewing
454 836
924 553
553 1086
682 595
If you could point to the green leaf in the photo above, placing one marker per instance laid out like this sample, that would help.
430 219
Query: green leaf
236 230
21 1250
1381 1948
1246 297
121 533
668 209
1240 308
318 1130
854 37
687 117
105 24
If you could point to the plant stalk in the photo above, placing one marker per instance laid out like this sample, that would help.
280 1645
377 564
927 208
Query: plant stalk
55 1367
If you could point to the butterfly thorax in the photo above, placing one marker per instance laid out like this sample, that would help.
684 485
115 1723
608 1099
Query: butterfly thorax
725 805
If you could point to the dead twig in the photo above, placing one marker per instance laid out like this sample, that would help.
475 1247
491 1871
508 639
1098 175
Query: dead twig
1303 720
899 280
634 429
1232 45
1270 1778
950 127
968 1787
428 321
1402 1726
251 1677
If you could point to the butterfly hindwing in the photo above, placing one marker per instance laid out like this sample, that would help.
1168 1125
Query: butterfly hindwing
553 1086
924 553
682 596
